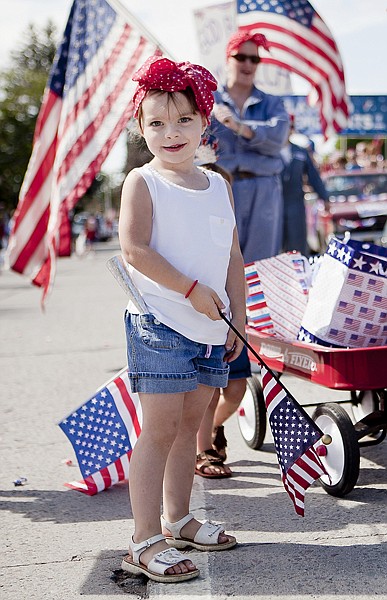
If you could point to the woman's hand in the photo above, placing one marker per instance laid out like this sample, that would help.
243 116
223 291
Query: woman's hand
224 115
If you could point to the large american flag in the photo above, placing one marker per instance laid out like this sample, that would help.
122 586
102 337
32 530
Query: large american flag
103 432
294 434
301 42
86 105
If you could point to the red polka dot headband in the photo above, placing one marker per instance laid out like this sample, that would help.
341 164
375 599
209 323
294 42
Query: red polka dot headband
241 37
166 75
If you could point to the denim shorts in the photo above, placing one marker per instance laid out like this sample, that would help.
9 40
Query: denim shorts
162 361
240 367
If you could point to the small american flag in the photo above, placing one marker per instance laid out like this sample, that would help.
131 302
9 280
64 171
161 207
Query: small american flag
86 105
380 302
337 335
355 279
371 329
345 307
376 342
359 296
294 434
357 340
375 285
366 313
301 42
352 324
103 432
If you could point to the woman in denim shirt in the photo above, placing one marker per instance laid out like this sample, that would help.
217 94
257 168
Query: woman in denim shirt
252 127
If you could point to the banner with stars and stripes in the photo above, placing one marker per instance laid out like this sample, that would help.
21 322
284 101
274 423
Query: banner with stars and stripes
86 105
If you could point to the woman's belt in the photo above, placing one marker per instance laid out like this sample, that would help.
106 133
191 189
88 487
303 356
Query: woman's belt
244 175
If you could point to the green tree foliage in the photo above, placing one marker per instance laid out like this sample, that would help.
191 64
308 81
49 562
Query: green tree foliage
21 92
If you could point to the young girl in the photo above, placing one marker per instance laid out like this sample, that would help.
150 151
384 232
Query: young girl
178 236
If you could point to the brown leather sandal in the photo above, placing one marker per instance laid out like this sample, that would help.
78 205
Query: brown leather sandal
210 459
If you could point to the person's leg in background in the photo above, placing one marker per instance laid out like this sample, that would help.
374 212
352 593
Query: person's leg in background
230 400
208 462
228 404
211 441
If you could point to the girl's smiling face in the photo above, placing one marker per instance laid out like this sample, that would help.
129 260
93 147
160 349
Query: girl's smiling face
171 128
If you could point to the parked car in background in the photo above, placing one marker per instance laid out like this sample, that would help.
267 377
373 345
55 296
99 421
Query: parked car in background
357 205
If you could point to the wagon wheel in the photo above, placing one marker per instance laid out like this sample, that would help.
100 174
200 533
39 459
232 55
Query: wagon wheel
363 403
252 414
342 460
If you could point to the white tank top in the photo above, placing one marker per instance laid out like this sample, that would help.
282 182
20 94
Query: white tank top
193 230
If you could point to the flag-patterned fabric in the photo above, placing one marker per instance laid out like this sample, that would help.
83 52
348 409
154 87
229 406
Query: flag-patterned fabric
103 432
354 313
284 284
301 42
277 294
258 315
295 435
86 105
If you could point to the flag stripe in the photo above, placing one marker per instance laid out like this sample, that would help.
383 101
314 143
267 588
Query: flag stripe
32 243
47 108
125 404
303 49
37 181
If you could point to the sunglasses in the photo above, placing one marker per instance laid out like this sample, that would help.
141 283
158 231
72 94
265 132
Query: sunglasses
243 57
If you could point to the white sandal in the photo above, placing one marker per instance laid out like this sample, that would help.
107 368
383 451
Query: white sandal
205 539
158 564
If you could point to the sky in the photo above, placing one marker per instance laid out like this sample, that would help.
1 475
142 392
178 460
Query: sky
358 26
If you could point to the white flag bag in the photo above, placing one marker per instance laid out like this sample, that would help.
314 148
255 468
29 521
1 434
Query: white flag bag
347 304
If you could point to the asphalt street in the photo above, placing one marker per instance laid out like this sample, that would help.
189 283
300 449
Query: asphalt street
59 544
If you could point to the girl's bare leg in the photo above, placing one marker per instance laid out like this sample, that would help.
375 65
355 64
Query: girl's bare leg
180 467
162 414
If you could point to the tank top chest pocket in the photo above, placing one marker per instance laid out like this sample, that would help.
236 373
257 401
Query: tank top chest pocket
221 230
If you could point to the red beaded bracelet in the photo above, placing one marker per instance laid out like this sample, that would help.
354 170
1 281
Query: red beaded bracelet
191 288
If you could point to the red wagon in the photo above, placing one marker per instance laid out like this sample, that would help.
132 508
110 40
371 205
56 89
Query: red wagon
361 371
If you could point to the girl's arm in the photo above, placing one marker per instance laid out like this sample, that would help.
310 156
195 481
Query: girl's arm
135 229
236 291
